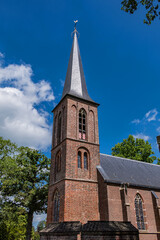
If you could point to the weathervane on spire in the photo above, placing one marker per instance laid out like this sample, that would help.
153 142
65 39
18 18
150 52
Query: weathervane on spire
75 23
75 29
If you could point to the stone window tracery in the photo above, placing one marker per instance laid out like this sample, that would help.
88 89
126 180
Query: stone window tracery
139 212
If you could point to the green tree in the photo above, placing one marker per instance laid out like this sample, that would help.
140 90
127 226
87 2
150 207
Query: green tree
24 180
158 161
3 230
41 225
151 8
12 218
35 234
12 221
136 149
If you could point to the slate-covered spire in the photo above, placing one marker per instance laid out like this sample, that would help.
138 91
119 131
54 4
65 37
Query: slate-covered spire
75 83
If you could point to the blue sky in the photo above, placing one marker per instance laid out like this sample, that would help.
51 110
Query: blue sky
121 61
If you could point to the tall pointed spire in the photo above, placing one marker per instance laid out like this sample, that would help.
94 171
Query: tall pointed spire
75 83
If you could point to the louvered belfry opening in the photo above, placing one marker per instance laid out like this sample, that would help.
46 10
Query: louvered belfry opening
82 124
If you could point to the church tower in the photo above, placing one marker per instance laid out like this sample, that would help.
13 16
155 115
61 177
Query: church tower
73 189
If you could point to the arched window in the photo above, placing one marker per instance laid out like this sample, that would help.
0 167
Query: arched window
79 160
54 131
139 212
82 124
85 161
56 205
59 128
58 162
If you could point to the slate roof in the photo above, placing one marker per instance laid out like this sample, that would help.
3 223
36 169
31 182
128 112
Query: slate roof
75 83
61 228
121 170
107 227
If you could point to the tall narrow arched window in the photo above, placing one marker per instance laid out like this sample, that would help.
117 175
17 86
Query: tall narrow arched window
82 124
139 212
58 162
79 160
85 160
54 131
56 206
59 128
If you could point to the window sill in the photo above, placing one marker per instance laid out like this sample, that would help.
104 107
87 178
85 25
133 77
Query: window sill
83 140
143 231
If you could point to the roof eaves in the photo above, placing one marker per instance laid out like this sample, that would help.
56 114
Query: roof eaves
130 184
102 172
73 96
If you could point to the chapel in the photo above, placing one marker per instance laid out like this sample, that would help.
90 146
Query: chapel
94 196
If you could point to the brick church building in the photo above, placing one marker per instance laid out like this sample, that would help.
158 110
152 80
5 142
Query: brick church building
93 195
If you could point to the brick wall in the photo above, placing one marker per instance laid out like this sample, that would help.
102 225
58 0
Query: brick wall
58 237
148 236
111 201
77 186
103 199
81 201
81 197
61 188
72 171
73 107
115 204
93 237
78 201
69 109
70 143
111 237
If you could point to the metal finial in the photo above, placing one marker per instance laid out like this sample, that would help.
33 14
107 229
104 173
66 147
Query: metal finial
75 23
75 29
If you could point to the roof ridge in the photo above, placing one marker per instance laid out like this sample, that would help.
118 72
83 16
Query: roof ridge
131 160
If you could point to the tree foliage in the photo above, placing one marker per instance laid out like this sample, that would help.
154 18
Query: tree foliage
41 225
24 178
158 161
35 234
151 8
136 149
12 221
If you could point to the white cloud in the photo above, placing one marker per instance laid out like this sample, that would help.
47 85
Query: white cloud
1 55
136 121
20 77
151 115
142 136
62 82
19 119
39 217
158 130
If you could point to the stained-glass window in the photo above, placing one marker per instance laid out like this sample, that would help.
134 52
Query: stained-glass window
56 203
139 212
82 124
85 161
79 160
